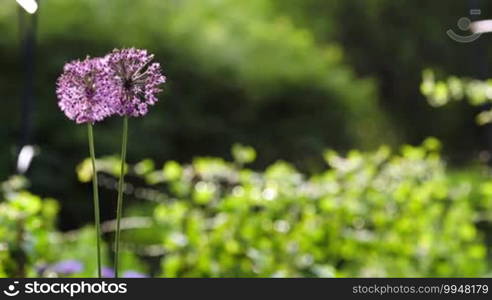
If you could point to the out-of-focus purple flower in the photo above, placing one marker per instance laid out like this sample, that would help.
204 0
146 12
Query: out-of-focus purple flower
107 272
85 90
137 80
68 267
40 269
134 274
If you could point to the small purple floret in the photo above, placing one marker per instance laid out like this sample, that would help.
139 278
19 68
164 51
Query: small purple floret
68 267
134 274
107 272
40 269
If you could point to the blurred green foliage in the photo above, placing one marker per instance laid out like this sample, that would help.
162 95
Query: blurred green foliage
26 224
30 244
368 214
441 92
393 41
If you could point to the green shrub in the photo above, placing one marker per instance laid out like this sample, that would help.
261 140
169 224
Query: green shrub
367 214
26 226
442 92
31 245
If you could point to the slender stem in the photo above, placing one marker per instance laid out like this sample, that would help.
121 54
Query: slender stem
97 219
121 184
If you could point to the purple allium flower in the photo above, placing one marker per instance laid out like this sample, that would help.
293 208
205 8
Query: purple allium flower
137 80
107 272
84 91
68 267
134 274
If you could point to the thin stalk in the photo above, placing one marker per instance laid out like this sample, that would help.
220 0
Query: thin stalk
119 206
97 219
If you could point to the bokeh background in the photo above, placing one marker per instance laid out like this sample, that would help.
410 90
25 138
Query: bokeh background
230 173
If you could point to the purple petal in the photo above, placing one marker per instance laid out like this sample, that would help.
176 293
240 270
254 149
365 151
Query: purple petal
68 267
134 274
107 272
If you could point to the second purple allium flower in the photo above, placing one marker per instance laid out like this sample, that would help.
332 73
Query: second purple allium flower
136 80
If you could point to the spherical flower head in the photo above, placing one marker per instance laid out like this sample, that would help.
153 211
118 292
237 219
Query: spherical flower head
136 80
84 91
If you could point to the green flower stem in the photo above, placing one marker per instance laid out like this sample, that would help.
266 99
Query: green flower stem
97 219
121 184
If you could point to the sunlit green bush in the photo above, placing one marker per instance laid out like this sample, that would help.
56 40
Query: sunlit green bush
26 224
367 214
31 246
442 92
